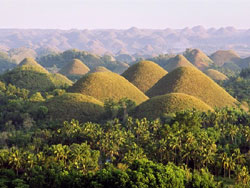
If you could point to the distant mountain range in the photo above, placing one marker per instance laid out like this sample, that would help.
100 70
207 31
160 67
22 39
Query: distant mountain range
131 41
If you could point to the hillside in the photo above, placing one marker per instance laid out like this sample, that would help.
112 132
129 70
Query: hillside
215 75
193 82
74 68
221 57
34 78
74 106
30 62
99 69
144 74
198 58
105 85
177 61
169 103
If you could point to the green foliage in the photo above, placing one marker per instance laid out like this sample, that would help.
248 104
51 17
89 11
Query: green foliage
36 97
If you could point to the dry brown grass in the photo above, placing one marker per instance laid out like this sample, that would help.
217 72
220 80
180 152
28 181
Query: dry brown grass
198 58
74 106
74 68
215 75
223 56
169 103
99 69
144 74
177 61
106 85
193 82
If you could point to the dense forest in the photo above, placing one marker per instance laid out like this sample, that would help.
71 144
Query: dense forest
101 129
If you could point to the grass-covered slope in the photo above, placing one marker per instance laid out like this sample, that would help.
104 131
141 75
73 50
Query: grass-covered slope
215 75
193 82
144 74
30 63
221 57
74 68
177 61
34 78
198 58
105 85
74 106
169 103
99 69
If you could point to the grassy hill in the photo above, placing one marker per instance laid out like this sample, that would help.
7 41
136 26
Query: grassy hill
169 103
74 68
99 69
34 78
144 74
215 75
30 63
74 106
193 82
198 58
224 56
177 61
105 85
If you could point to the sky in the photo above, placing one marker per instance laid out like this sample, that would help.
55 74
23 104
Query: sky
123 14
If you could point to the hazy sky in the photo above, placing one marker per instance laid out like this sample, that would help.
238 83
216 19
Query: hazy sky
122 14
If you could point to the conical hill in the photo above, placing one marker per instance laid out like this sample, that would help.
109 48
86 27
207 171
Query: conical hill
221 57
34 78
74 106
177 61
99 69
193 82
74 68
169 103
198 58
215 75
106 85
31 64
144 74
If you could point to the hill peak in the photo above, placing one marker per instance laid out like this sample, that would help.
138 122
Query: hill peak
144 74
193 82
74 67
